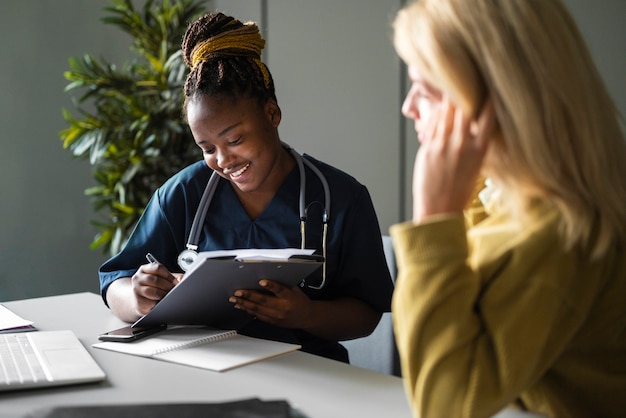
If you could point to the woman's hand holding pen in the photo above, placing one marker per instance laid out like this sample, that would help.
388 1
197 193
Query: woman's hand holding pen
151 283
283 306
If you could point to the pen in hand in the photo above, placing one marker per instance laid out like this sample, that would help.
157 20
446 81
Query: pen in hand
152 259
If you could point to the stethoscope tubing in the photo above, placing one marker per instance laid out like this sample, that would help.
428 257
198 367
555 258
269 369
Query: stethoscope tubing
187 256
203 206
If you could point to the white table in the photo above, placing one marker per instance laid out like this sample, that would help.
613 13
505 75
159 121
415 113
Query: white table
316 386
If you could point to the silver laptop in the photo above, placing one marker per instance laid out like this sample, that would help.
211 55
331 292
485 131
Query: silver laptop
45 358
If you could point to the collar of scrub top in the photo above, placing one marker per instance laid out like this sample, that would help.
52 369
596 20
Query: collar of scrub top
189 255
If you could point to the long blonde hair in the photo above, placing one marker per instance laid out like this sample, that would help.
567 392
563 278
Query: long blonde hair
560 131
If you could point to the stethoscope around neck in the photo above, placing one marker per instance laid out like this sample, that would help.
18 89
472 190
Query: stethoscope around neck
189 255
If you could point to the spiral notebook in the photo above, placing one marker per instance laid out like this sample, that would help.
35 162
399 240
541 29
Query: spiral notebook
202 347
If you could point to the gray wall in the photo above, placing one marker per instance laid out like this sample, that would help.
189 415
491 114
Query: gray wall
338 82
45 225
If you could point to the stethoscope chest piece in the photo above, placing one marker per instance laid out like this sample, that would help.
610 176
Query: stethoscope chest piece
186 258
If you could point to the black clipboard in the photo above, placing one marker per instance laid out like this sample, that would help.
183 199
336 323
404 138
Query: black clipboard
201 298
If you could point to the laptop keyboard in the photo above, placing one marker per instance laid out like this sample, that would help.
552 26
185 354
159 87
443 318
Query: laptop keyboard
18 361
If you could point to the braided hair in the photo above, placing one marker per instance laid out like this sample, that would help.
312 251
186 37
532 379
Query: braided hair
224 58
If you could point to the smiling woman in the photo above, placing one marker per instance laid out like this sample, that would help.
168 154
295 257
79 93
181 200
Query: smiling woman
262 191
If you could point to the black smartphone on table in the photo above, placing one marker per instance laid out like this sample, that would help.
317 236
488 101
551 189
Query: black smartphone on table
129 333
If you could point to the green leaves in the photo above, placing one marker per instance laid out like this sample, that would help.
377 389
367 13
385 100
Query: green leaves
129 122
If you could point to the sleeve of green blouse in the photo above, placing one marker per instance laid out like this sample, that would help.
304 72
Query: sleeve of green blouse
468 350
428 295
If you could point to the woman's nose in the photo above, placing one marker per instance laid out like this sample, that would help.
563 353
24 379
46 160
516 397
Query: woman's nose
223 158
409 106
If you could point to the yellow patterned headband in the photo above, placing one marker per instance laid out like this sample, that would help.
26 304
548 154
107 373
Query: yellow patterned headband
245 38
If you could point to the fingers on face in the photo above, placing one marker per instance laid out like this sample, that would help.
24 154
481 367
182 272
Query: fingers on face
434 126
487 122
455 127
441 125
461 127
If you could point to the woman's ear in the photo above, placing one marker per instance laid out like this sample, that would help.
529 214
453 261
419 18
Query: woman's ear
273 112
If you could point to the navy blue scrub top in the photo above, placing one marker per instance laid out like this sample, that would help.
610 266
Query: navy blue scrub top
356 265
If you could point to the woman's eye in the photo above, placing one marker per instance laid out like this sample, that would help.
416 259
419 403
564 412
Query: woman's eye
423 95
235 141
208 151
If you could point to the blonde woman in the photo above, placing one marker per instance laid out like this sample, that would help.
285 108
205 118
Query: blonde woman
518 296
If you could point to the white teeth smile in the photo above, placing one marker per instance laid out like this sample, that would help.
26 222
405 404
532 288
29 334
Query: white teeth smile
240 171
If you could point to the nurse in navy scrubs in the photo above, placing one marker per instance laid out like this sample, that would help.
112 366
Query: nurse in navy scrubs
233 114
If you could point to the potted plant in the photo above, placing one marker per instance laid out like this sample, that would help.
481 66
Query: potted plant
130 125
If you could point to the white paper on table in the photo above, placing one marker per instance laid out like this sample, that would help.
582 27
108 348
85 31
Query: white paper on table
9 321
